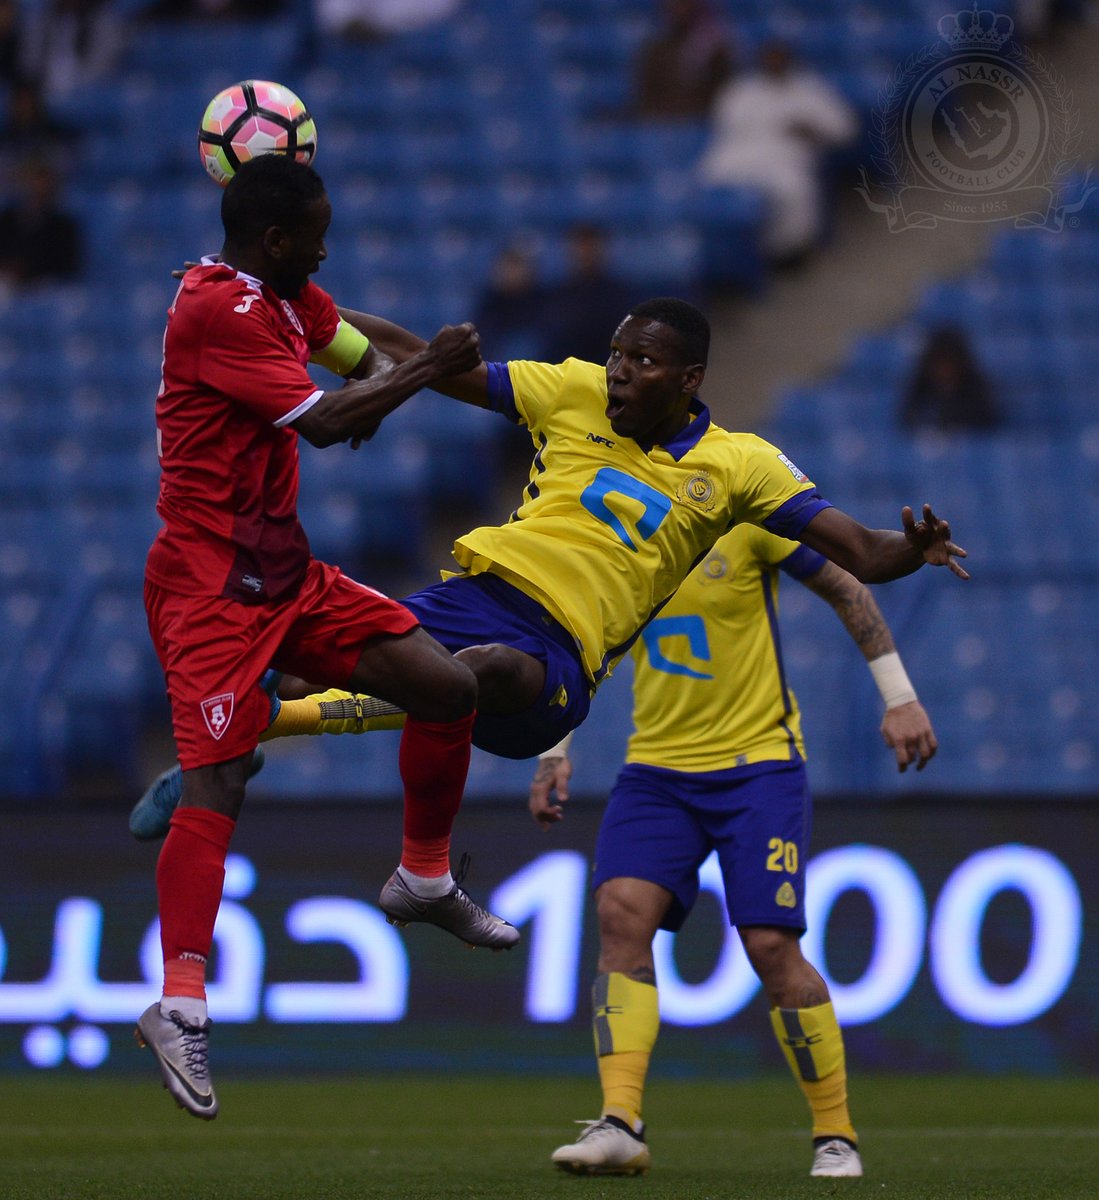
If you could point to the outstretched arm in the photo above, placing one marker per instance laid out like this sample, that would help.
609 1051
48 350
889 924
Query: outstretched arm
377 386
906 727
400 345
879 555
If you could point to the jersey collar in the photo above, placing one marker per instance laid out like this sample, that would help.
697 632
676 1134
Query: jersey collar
212 260
690 435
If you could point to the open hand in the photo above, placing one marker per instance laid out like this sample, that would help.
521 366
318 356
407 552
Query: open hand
907 731
931 537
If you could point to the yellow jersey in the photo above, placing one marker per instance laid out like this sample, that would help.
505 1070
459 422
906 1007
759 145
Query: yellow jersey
710 691
608 528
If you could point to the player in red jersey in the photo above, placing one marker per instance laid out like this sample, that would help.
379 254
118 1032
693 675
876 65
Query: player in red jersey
231 586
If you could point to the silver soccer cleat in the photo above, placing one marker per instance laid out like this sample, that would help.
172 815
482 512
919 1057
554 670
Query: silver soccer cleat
836 1158
182 1052
455 912
606 1147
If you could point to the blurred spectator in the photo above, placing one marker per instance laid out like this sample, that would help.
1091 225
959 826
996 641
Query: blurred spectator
948 389
771 129
184 10
67 44
509 314
10 32
581 313
681 67
31 131
39 241
378 18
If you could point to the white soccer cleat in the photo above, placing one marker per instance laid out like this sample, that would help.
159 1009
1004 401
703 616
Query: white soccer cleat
606 1147
836 1158
182 1053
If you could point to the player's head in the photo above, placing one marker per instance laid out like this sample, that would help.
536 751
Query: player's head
275 213
657 363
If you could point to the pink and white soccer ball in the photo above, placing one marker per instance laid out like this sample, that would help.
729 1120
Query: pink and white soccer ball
251 118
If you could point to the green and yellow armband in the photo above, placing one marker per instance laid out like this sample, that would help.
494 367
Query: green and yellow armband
344 352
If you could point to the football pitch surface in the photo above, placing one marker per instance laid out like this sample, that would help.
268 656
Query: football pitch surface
421 1137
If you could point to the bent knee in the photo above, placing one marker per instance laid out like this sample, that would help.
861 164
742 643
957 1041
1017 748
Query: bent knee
454 697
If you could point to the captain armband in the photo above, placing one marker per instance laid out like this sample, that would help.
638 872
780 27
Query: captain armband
344 352
892 680
561 750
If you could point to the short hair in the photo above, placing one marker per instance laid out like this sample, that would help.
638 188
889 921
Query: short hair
272 189
689 322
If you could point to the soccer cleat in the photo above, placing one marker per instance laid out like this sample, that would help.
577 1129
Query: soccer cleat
335 711
606 1147
836 1158
455 912
181 1052
151 815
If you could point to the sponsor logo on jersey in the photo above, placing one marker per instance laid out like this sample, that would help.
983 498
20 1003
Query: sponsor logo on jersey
246 303
799 475
560 697
217 712
698 491
603 441
786 897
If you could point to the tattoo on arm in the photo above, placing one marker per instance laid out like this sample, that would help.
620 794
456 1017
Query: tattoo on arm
643 975
856 607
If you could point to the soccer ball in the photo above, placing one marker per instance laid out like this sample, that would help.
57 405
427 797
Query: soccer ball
253 118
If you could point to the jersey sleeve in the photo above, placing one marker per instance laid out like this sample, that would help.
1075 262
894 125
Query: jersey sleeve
245 357
529 392
772 491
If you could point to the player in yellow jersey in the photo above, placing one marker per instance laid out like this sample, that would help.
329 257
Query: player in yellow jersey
716 762
630 486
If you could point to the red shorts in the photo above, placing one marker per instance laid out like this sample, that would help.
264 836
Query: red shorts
214 652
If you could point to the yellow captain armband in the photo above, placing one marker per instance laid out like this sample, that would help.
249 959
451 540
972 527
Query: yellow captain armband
344 352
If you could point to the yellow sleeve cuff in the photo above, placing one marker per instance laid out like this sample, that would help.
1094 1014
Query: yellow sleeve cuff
344 352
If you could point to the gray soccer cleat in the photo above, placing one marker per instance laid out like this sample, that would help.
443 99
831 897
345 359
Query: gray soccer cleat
606 1147
181 1052
152 814
455 912
836 1158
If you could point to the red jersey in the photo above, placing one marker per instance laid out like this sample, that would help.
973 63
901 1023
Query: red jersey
233 378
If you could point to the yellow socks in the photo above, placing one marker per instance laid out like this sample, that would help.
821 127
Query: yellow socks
625 1022
811 1040
334 711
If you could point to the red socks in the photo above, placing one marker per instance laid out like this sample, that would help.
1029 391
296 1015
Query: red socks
189 877
434 761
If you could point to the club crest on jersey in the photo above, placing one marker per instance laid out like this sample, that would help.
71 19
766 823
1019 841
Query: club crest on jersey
798 474
786 897
698 491
292 317
217 712
715 566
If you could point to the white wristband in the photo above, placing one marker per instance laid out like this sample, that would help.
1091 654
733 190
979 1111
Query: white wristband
561 750
892 680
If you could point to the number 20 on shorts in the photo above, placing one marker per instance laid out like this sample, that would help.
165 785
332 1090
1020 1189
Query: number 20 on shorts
783 856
